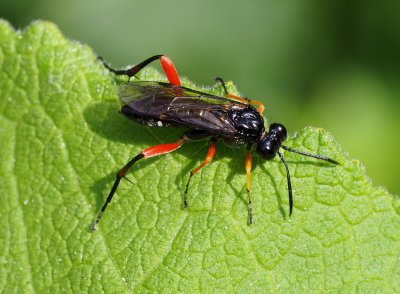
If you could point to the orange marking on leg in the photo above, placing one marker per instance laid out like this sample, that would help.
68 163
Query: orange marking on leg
146 153
161 149
260 106
248 170
170 70
238 98
208 159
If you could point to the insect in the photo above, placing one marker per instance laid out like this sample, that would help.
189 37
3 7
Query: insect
235 120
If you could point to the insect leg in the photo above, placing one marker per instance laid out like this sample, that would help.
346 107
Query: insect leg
166 63
229 95
248 176
260 106
209 157
146 153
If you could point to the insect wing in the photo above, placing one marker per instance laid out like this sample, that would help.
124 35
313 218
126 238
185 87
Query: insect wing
179 105
144 89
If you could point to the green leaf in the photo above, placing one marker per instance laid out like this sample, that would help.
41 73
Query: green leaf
62 141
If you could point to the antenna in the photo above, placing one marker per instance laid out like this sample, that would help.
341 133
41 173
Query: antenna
310 155
288 174
289 183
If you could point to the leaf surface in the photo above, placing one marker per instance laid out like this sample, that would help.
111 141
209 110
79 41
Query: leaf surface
62 141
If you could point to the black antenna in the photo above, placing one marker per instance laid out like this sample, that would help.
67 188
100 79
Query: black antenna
287 169
289 183
310 155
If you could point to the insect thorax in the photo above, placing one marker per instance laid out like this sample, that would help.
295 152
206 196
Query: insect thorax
249 125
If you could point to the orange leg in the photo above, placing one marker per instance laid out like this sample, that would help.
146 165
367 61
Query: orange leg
248 176
146 153
260 106
209 157
238 98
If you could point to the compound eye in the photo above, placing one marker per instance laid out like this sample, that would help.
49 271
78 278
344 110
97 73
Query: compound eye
267 149
279 130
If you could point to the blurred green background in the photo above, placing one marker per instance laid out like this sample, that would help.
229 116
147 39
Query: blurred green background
331 64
